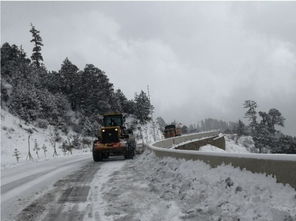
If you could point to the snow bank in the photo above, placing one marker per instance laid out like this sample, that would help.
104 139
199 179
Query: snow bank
222 193
230 146
210 148
244 144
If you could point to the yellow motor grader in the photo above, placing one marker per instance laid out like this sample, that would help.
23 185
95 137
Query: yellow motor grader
114 139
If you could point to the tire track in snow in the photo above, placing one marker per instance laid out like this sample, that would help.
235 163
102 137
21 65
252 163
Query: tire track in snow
9 186
75 197
16 187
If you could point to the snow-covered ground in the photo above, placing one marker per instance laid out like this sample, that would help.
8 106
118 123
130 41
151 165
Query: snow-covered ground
243 145
150 188
147 188
150 132
22 184
210 148
15 135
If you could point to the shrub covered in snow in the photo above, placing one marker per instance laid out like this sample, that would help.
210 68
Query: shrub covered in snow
42 123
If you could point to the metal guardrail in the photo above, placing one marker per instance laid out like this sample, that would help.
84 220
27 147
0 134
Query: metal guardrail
169 142
281 166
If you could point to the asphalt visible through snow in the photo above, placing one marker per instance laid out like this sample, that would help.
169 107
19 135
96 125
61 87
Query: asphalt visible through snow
67 200
58 189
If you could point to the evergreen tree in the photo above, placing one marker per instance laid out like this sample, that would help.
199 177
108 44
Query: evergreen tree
286 144
36 148
68 82
44 148
122 102
143 107
240 130
17 154
96 92
130 107
262 138
251 113
37 40
276 119
160 121
14 64
264 133
25 102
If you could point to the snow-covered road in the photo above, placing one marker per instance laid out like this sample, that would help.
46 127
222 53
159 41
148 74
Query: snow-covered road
40 183
146 188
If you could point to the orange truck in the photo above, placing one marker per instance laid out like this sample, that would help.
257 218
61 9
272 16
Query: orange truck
114 139
172 131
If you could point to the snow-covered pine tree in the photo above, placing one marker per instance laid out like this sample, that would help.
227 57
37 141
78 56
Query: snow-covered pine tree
17 154
122 100
24 102
96 92
143 107
37 40
251 114
160 121
275 119
68 82
264 134
126 106
13 63
240 130
286 144
36 148
44 148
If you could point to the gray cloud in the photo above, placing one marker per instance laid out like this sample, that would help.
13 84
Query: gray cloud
200 59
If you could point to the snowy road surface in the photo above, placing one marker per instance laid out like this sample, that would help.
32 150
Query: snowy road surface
45 188
146 189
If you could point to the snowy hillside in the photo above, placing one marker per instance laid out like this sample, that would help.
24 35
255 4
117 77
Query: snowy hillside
16 134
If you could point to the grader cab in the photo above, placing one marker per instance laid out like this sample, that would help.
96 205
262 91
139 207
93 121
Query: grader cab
113 139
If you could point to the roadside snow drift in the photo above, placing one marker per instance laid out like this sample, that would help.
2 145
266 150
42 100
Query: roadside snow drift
150 188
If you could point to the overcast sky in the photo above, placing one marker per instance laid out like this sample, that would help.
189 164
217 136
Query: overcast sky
200 59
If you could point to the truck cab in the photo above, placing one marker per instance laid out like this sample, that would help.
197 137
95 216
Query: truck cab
171 131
